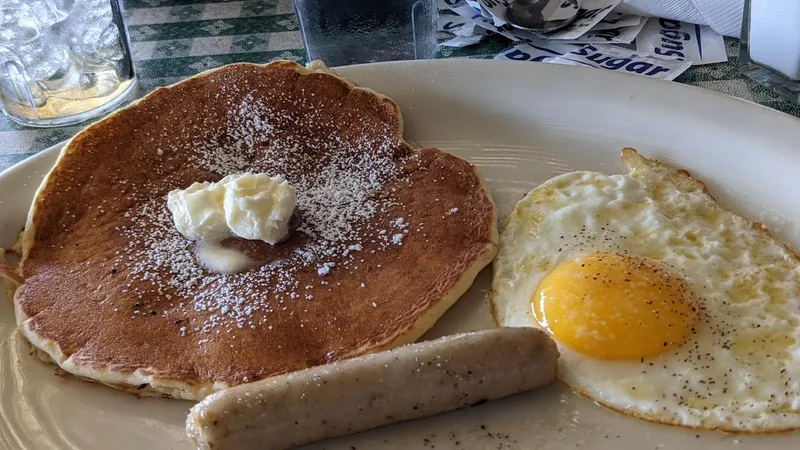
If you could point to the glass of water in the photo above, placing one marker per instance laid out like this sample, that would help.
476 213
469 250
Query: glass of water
769 51
343 32
62 61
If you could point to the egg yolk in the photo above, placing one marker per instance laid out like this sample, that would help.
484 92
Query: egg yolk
614 306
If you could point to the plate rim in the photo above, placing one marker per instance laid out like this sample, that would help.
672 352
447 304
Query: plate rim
34 158
606 74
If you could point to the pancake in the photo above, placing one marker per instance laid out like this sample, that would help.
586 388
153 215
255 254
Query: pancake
385 237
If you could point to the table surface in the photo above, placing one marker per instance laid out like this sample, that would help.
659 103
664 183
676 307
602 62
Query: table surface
174 39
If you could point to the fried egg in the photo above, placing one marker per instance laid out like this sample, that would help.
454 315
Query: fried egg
664 305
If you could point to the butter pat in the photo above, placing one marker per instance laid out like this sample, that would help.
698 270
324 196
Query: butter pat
250 206
258 207
219 259
197 211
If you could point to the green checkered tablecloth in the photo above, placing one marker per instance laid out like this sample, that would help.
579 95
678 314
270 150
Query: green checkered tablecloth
173 39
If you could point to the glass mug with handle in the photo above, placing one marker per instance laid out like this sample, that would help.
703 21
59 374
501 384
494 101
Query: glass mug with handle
63 61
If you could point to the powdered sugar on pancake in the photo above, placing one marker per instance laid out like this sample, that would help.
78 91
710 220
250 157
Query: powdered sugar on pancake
341 188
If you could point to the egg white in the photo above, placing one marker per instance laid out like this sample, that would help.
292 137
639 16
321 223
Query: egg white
740 371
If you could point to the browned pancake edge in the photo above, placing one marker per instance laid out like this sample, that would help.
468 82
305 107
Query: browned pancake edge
101 303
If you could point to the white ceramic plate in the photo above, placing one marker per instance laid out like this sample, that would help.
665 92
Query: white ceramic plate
521 123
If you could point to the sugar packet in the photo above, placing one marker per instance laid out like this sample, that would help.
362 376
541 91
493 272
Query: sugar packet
497 10
540 51
462 8
624 35
462 41
590 14
680 40
476 5
618 20
457 25
563 10
623 60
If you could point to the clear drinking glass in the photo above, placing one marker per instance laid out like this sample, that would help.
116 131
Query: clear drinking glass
769 51
62 61
343 32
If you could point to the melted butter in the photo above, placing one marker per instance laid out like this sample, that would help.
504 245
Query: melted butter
216 258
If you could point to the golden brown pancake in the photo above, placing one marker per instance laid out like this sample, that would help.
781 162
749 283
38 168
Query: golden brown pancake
384 239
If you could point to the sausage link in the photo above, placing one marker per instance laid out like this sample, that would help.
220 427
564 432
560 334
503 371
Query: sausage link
409 382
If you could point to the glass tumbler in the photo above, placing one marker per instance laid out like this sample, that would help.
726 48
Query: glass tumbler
343 32
62 61
769 51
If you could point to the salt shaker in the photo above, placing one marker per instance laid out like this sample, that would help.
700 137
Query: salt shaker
769 52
